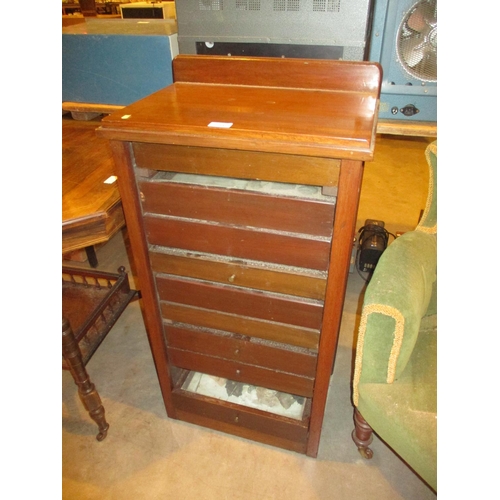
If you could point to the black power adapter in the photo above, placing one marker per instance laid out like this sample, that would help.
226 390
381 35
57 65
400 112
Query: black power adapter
372 241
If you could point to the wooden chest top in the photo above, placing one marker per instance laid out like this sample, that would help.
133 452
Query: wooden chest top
308 107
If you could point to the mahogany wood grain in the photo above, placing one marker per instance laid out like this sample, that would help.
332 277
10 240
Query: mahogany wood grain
241 349
242 372
145 280
389 127
237 207
278 332
86 389
220 425
271 120
249 164
331 115
293 282
242 421
273 72
278 130
98 228
246 243
343 233
91 210
242 302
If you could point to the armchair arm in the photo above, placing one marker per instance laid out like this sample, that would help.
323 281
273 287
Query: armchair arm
396 299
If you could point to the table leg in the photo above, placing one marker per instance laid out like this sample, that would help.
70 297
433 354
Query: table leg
86 389
92 256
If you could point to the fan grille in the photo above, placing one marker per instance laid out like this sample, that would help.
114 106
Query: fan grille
417 41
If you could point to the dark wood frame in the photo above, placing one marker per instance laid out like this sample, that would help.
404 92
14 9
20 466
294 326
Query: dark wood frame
105 296
86 389
362 435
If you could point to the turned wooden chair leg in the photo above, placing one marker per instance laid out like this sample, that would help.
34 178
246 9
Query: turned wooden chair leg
362 435
86 389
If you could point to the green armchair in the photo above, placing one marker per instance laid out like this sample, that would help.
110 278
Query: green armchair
395 374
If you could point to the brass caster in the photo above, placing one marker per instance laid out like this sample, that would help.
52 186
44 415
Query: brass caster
366 453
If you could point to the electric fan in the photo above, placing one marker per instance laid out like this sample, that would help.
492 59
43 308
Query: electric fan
404 41
417 41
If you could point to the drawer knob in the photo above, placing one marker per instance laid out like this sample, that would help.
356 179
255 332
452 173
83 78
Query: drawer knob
238 372
237 419
236 352
231 278
141 195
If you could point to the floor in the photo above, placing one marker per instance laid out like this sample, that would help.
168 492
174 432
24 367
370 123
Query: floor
146 455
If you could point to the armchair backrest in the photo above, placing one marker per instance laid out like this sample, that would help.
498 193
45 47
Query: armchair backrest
428 222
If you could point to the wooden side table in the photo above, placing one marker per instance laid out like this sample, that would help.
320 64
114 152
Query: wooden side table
91 209
92 302
240 185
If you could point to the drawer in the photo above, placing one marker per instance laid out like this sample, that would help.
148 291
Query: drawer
245 423
290 281
249 164
265 206
272 331
245 243
246 350
241 372
241 301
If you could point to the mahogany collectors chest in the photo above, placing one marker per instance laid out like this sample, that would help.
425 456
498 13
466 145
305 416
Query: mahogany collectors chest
240 186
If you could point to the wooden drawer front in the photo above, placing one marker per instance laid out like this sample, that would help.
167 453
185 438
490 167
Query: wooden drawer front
242 350
205 318
238 207
240 301
290 282
241 421
240 372
245 243
248 164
